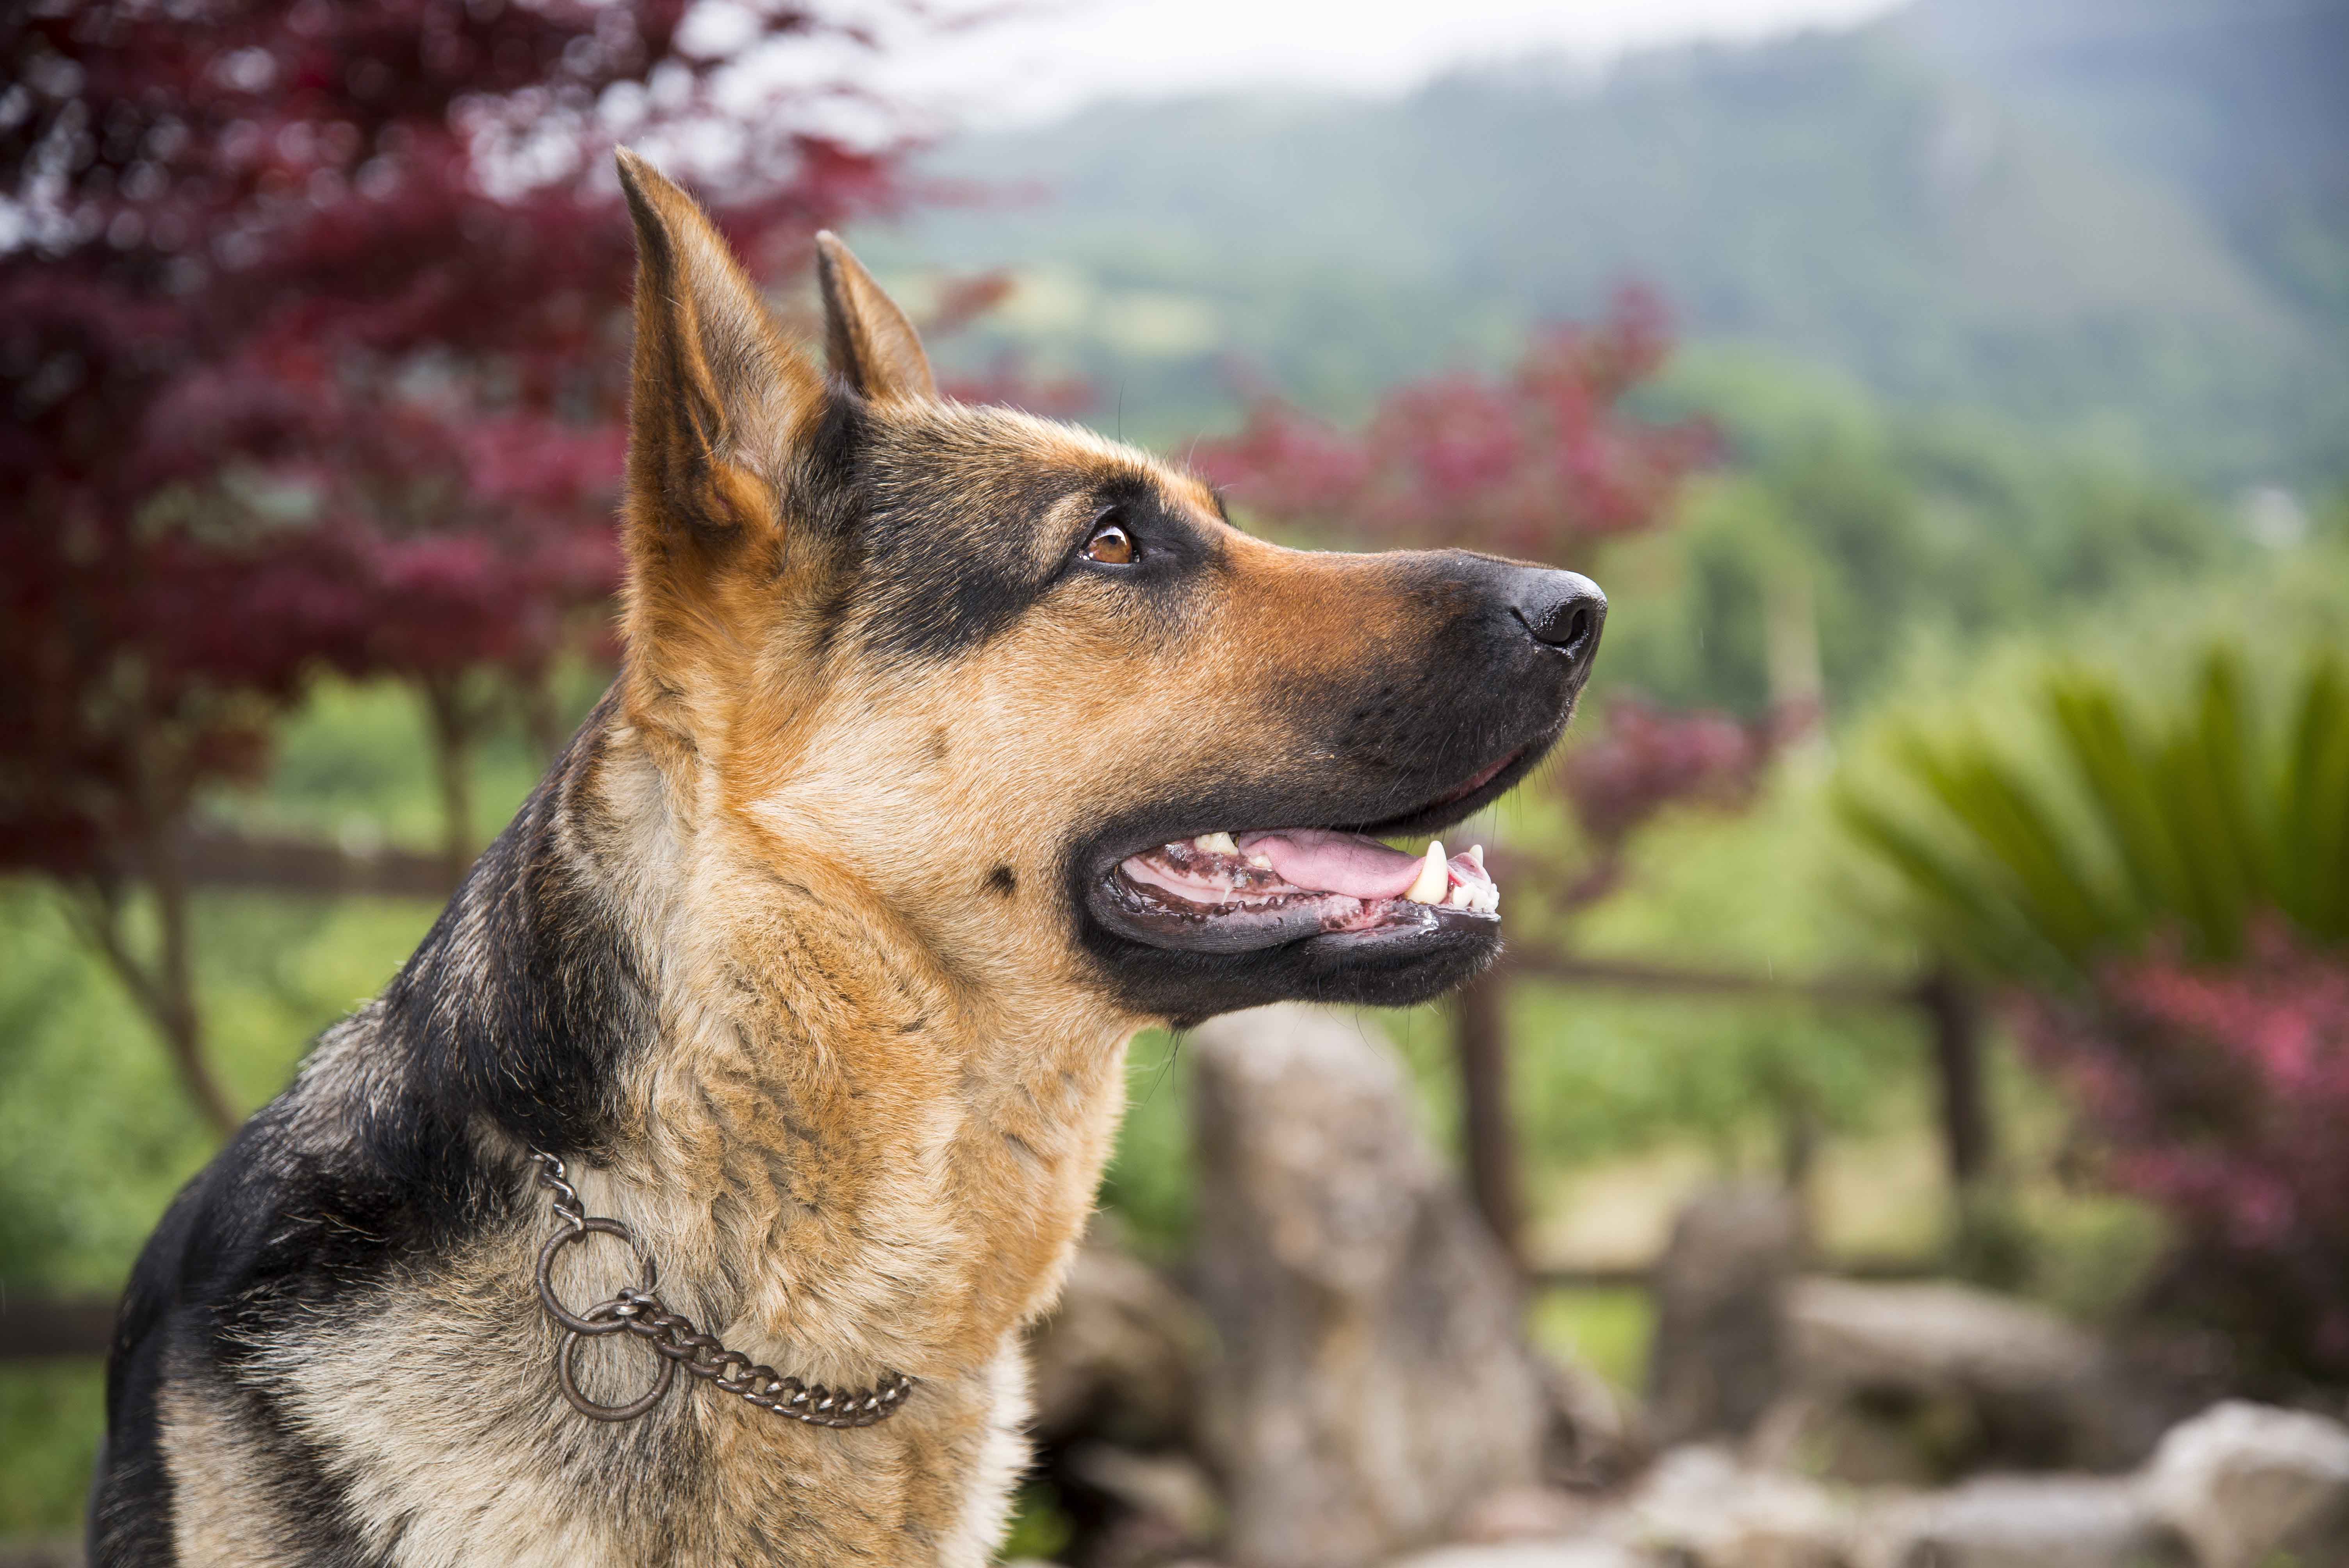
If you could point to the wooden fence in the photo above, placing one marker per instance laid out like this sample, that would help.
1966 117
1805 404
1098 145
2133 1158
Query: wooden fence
1946 1008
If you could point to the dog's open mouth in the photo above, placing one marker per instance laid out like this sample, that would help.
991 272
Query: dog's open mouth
1222 893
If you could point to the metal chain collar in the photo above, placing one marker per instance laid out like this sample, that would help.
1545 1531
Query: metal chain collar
641 1313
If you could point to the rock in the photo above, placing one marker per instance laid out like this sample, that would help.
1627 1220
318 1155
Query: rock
1698 1506
1526 1514
1120 1358
2023 1521
1595 1437
1168 1506
1115 1370
1871 1436
1530 1554
1718 1361
2251 1485
1924 1382
1374 1381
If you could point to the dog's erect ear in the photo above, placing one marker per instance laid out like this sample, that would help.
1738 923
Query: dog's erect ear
718 394
872 346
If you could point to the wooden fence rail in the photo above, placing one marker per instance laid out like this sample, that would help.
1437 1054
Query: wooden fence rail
1940 999
43 1329
285 864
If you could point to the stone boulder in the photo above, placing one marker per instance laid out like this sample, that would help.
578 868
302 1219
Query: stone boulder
1718 1359
1119 1359
1115 1370
1700 1507
1526 1513
1596 1436
1920 1383
1530 1554
2023 1521
2251 1485
1375 1382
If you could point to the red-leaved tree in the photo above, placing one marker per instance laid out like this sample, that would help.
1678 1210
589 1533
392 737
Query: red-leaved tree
1542 462
311 341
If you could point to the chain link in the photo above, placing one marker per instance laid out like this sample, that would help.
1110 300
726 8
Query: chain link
637 1310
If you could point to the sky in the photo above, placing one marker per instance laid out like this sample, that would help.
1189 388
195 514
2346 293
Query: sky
1058 54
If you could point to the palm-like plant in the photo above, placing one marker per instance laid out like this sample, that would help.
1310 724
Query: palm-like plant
2170 920
2188 827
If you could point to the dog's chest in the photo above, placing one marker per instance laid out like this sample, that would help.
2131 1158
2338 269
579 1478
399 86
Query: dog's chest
441 1443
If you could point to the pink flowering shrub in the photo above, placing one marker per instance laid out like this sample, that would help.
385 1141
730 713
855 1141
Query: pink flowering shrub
2221 1093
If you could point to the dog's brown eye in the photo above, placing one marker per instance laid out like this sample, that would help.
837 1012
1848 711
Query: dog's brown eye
1111 545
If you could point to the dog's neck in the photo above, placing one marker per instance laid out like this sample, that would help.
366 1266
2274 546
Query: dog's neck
853 1153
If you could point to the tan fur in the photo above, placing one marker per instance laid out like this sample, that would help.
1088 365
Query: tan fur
221 1513
872 343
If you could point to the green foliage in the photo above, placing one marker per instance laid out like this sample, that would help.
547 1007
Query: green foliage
2185 825
1148 1183
1898 531
51 1416
1039 1529
1607 1328
95 1131
355 764
1599 1075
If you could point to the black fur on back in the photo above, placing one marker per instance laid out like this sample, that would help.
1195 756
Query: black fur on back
514 1017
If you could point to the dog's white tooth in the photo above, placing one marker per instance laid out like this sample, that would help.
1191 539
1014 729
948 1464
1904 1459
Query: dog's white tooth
1463 897
1433 876
1476 856
1216 843
1260 861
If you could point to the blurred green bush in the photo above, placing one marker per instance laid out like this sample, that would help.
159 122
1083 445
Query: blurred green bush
2163 892
2187 827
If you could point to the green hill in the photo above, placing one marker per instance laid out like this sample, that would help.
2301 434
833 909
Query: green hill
2241 103
1940 212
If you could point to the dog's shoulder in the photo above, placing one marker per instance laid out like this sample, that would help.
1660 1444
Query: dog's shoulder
187 1316
398 1142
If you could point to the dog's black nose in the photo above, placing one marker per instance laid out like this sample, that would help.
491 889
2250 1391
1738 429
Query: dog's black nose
1561 610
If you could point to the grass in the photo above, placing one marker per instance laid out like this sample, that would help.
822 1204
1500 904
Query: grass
1607 1328
1039 1529
51 1416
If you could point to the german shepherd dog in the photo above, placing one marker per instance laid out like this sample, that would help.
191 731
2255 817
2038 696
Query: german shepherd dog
951 747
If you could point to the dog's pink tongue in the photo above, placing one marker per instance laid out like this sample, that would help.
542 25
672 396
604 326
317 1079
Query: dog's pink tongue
1335 863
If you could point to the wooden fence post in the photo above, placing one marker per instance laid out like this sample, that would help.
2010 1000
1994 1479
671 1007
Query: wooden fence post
1953 1013
1487 1134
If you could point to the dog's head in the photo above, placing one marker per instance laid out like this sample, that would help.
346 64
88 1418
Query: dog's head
1029 690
